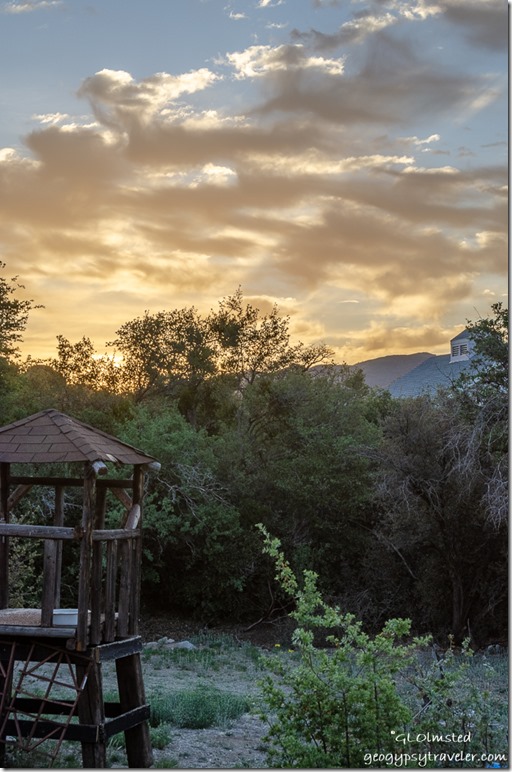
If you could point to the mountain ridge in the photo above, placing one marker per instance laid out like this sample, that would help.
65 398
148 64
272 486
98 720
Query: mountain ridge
382 371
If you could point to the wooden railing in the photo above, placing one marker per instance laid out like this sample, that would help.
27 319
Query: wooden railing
108 585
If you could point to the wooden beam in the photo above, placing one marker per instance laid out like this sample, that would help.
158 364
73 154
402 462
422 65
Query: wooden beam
132 517
58 521
97 597
138 497
68 482
17 495
39 531
123 497
49 578
4 541
114 535
131 694
84 574
91 710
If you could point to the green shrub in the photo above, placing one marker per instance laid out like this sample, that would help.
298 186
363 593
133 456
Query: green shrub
367 701
160 737
197 708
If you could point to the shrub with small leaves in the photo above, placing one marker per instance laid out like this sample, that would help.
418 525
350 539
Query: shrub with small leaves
345 704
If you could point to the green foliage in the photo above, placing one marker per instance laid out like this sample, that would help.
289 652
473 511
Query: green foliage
489 372
349 704
14 313
294 461
160 737
333 706
437 496
195 549
198 708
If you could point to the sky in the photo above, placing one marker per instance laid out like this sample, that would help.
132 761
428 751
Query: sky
345 160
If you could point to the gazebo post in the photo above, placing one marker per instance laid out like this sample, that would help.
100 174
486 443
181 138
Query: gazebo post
106 627
4 540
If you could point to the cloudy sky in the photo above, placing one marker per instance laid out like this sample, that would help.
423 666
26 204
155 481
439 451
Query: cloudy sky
346 160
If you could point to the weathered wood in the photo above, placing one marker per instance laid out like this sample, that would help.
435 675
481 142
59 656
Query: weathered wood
138 496
125 588
17 495
114 535
21 727
7 661
39 531
91 711
84 576
97 596
49 581
131 694
133 517
117 649
109 624
37 632
58 522
127 720
4 541
68 482
123 497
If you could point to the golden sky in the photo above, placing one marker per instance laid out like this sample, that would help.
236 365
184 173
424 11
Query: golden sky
347 161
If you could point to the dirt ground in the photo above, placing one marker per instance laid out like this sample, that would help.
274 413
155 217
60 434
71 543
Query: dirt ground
239 745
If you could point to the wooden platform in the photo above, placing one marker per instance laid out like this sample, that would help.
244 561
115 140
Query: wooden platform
27 622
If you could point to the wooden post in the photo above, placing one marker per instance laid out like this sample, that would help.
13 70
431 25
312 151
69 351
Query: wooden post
6 671
49 580
91 710
84 580
137 497
109 629
97 570
4 540
58 520
132 695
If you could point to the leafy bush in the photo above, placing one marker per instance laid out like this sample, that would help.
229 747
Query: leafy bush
351 703
160 737
197 708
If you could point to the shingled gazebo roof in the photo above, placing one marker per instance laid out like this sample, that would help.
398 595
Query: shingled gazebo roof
50 436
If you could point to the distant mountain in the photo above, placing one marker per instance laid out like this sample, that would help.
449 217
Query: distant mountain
384 370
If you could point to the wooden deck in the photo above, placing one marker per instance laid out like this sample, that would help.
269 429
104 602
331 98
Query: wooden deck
27 622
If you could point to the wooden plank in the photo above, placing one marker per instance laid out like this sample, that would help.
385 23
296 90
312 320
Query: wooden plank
109 624
4 541
58 522
68 482
133 517
97 594
91 710
123 496
131 693
118 649
84 573
37 632
138 496
123 608
127 720
39 531
49 579
17 495
85 733
115 534
51 482
34 705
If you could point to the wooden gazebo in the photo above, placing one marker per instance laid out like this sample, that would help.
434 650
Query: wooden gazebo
65 657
